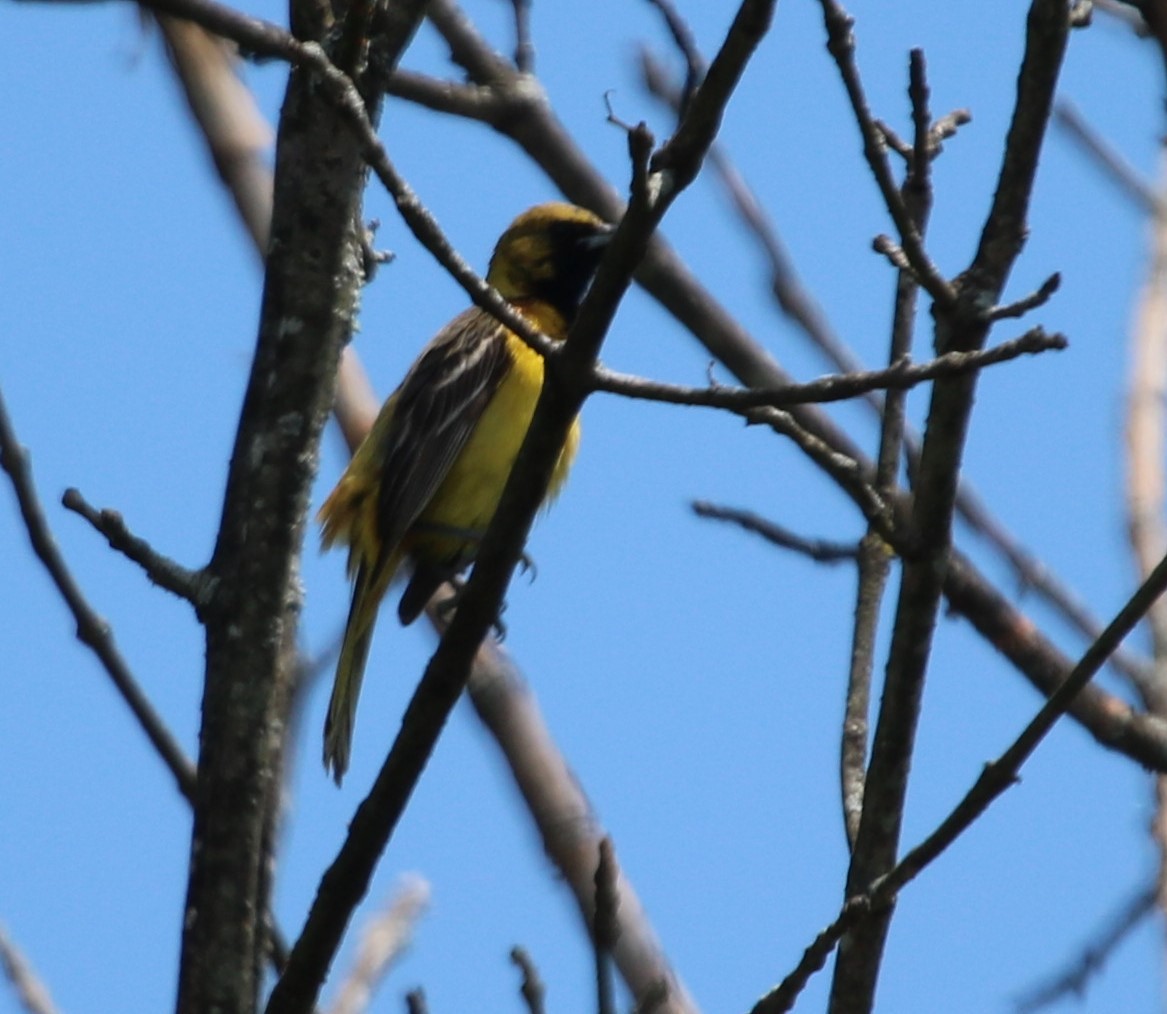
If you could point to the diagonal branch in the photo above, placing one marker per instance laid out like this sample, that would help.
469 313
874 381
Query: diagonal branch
818 550
192 585
563 393
31 993
960 325
998 776
798 304
92 630
530 122
311 287
841 44
500 696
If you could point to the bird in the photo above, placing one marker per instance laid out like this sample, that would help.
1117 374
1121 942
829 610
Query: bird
422 487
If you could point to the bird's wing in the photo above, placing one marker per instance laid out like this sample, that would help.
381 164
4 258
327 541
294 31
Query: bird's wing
437 407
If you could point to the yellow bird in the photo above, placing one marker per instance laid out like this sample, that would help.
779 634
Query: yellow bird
423 486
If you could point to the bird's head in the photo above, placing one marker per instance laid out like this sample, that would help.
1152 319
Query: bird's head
549 253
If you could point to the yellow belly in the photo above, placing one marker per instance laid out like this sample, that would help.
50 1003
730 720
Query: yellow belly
469 495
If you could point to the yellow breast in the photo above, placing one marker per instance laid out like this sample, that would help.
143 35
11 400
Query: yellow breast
469 495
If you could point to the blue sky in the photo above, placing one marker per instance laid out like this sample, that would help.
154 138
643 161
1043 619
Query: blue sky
693 677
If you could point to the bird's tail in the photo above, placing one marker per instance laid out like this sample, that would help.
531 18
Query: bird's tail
368 590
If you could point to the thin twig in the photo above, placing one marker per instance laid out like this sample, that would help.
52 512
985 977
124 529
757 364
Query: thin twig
687 46
524 49
1020 307
841 45
874 555
995 779
383 940
31 993
1075 980
237 135
605 927
566 819
196 586
819 550
92 630
902 375
960 325
531 989
530 122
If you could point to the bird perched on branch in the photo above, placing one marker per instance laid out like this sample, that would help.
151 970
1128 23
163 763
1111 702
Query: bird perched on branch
423 486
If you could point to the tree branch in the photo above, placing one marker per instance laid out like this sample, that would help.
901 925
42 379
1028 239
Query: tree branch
498 692
961 324
313 277
867 904
530 122
900 376
1090 962
31 993
92 630
841 45
818 550
563 392
800 306
194 586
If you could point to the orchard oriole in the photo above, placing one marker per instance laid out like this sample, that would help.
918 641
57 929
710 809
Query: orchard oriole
424 484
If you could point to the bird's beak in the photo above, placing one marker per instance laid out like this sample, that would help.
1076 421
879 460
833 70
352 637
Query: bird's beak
600 239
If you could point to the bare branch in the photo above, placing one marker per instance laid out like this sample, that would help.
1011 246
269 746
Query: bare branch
1021 307
236 133
1116 168
92 630
995 779
841 45
900 376
196 586
383 940
605 926
313 278
687 46
819 550
32 994
1146 483
532 989
874 557
960 325
800 306
567 822
470 101
1109 719
524 50
1075 980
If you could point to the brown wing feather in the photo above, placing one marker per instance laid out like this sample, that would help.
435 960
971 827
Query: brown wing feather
438 405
